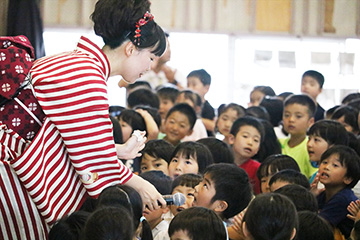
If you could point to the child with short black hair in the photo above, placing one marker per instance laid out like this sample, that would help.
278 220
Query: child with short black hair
221 151
197 223
323 135
286 177
189 157
225 189
156 155
199 81
348 117
270 216
227 114
258 93
303 199
184 184
339 171
162 183
298 116
167 97
246 136
271 165
179 122
69 227
143 96
312 226
312 83
194 100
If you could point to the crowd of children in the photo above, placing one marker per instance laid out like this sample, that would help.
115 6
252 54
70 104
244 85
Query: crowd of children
282 168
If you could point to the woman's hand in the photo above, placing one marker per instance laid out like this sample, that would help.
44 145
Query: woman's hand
131 149
151 198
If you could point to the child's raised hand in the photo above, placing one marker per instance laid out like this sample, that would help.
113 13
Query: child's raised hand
354 210
314 185
237 222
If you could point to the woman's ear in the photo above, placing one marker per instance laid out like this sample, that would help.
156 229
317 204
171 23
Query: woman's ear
129 48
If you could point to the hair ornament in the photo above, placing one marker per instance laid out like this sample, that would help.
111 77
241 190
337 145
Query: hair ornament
142 21
142 219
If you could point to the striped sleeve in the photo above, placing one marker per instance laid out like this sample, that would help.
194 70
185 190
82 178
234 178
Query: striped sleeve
71 90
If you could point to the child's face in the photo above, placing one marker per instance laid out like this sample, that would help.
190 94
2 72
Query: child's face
316 146
226 120
332 172
180 235
177 126
165 105
346 125
189 198
126 130
204 192
196 85
310 86
246 142
296 119
264 184
149 163
154 216
180 165
255 98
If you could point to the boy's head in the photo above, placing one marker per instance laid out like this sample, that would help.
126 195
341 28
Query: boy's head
162 183
246 135
322 135
179 122
258 93
302 198
189 157
286 177
167 97
340 165
130 120
199 81
312 226
270 216
190 97
225 189
220 150
348 117
156 155
197 223
298 114
143 96
271 165
312 83
184 184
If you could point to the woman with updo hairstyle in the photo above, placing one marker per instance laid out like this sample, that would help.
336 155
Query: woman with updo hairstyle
72 154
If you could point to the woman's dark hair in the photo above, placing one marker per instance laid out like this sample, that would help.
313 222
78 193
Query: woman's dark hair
199 223
196 150
270 145
271 216
115 21
220 150
275 163
69 227
109 223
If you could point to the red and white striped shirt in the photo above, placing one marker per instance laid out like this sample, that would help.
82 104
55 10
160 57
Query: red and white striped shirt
73 155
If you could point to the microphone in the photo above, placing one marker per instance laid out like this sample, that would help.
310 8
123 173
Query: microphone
177 199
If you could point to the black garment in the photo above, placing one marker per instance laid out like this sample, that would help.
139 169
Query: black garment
24 19
319 113
208 112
